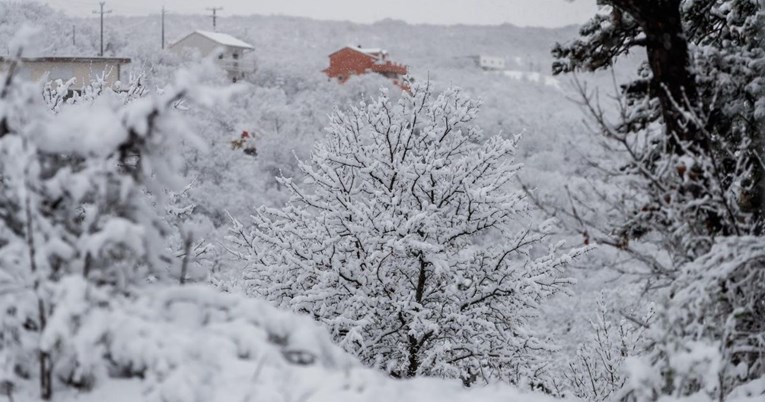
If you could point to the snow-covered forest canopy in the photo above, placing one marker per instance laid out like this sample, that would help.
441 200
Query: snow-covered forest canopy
570 214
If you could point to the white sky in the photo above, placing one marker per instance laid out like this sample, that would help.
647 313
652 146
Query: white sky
547 13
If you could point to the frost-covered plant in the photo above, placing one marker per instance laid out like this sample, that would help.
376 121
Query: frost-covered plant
596 372
179 210
690 128
182 342
692 184
189 239
709 337
407 241
58 92
73 201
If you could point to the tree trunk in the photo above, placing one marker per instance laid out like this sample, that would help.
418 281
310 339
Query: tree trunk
44 359
414 343
667 49
758 144
673 81
46 369
754 200
414 361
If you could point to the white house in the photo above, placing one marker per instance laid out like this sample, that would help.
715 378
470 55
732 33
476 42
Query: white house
231 52
490 62
83 69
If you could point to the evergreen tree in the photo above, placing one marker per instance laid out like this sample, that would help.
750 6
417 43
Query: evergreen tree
692 127
703 80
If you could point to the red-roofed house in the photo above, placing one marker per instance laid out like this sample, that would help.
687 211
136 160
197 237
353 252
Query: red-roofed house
351 60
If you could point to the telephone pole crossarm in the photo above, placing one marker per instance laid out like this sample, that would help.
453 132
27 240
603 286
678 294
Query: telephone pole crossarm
215 16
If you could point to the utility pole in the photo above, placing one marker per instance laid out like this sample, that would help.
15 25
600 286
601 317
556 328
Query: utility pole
102 12
215 16
74 36
163 27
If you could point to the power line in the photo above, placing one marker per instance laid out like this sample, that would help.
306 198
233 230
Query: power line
102 12
214 16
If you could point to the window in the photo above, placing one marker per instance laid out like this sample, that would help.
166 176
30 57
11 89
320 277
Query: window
235 56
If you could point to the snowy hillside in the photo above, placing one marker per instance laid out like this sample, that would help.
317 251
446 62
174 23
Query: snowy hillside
232 222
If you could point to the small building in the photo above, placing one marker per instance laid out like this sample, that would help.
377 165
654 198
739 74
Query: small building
83 69
489 62
350 61
231 52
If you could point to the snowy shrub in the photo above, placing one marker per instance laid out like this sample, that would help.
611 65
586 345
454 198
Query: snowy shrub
178 340
407 241
709 338
74 188
596 372
195 344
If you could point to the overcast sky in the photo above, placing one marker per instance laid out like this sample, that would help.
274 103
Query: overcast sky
548 13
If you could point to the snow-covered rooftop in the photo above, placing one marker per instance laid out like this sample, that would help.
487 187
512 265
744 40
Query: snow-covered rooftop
370 50
225 39
377 53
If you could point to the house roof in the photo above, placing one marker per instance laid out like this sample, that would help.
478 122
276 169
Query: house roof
72 59
373 52
225 39
370 50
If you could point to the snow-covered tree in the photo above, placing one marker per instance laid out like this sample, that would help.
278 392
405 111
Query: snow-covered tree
409 243
702 166
691 187
75 187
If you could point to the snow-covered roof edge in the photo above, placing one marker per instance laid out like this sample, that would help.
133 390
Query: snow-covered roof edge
374 52
71 59
220 38
371 50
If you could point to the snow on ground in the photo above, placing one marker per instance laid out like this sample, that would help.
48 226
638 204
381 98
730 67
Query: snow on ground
319 386
197 344
533 77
